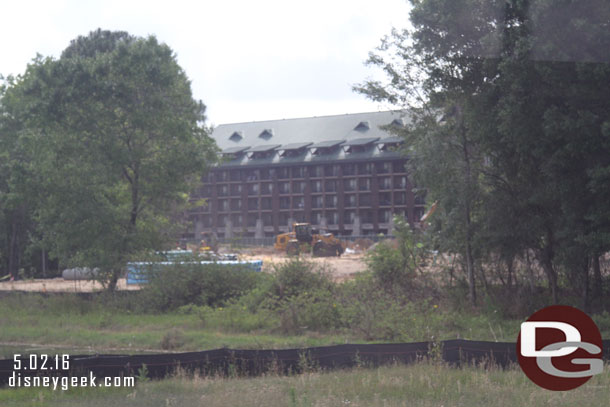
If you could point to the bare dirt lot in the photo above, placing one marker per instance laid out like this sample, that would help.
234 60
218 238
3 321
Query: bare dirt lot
341 268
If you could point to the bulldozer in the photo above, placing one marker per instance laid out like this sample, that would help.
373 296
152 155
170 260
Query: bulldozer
304 239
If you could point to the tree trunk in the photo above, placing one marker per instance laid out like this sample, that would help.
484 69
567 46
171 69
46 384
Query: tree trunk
114 279
13 252
598 290
547 265
585 285
472 293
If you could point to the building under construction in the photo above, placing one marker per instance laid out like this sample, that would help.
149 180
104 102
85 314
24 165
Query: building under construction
340 173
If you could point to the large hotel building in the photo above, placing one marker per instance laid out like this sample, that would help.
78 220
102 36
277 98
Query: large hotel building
340 173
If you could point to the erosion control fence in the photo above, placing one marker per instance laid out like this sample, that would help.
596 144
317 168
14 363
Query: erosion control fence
254 362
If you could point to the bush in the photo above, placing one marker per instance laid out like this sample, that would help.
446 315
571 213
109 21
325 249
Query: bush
397 263
297 276
315 310
185 283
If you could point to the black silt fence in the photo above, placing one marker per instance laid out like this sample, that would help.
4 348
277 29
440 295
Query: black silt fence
282 361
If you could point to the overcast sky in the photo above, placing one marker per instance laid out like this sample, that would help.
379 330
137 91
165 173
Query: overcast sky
247 60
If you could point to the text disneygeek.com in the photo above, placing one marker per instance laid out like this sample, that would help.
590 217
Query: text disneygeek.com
64 382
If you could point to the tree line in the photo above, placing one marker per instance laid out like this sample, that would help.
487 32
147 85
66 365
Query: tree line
509 108
99 149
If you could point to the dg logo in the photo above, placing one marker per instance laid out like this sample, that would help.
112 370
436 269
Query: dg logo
560 348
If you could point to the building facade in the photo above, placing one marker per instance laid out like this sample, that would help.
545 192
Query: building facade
340 173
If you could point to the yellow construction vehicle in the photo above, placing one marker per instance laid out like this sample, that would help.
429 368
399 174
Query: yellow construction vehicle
304 239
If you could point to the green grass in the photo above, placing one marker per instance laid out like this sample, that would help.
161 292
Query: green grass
97 325
415 385
92 324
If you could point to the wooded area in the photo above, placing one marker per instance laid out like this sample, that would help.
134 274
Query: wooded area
510 134
99 151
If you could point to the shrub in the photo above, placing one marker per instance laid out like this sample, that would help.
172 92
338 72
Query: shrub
297 276
397 264
172 286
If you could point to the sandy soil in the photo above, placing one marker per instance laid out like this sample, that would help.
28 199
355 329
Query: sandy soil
341 268
60 285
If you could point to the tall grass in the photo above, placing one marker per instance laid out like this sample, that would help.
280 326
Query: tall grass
421 384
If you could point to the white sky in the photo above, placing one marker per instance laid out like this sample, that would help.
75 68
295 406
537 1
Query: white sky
247 60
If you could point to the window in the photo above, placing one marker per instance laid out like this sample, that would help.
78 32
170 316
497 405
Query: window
282 173
284 219
366 216
253 189
315 171
331 201
349 216
317 202
384 168
316 186
385 183
364 169
252 218
298 187
385 199
266 188
252 204
364 184
222 176
350 184
235 204
223 205
400 182
236 189
266 173
399 166
284 203
330 186
365 200
332 218
236 220
284 187
298 172
298 202
349 169
400 198
316 218
385 215
350 200
267 219
235 175
266 203
222 190
253 175
331 170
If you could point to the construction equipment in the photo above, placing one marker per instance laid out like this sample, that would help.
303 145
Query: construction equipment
304 239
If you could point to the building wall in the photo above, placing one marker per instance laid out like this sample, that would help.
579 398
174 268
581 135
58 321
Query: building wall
345 197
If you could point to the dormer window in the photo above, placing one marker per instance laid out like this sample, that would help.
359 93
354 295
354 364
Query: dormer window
325 147
262 151
389 143
266 134
358 145
293 150
234 152
236 136
398 123
363 126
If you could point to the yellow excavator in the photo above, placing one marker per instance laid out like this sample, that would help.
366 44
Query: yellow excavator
304 239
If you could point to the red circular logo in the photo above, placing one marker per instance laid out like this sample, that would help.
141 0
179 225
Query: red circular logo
560 348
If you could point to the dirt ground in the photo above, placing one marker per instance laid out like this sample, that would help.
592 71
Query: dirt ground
341 268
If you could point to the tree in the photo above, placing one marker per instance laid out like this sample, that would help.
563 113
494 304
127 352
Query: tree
122 142
530 116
